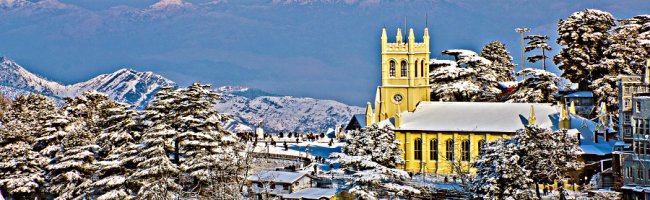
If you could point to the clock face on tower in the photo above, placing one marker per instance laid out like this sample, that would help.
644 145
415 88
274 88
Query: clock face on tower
397 98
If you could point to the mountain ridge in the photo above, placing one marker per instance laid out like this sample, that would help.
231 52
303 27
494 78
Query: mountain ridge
248 106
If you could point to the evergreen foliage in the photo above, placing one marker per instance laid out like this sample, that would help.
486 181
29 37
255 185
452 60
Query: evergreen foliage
379 143
502 65
538 87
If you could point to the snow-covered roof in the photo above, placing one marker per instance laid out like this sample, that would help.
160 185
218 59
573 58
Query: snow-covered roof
586 128
508 84
475 116
312 193
277 177
584 94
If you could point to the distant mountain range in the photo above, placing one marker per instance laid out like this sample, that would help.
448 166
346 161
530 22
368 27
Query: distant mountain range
248 106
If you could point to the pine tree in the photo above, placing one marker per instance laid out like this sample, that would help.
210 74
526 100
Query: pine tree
501 172
156 174
22 168
369 177
71 170
625 56
502 65
207 147
584 36
117 142
468 78
537 42
538 87
378 143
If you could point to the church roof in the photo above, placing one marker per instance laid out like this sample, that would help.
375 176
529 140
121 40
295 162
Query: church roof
476 116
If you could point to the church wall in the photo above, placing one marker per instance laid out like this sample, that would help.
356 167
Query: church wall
442 165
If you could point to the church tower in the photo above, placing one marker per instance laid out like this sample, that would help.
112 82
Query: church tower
404 74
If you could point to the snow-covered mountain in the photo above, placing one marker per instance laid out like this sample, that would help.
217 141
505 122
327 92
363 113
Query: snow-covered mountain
248 106
124 85
286 113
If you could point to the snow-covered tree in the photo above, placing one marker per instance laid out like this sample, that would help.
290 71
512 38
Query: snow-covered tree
199 145
625 55
156 175
117 142
548 155
537 42
585 37
468 78
377 142
502 65
22 168
370 177
507 167
71 171
207 147
538 87
501 172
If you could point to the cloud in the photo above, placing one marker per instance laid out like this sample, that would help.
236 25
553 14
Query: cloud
360 3
166 4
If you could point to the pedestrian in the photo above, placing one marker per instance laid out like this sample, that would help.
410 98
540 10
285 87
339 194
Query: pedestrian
545 190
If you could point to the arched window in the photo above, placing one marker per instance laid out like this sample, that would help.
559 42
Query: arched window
418 149
450 150
422 69
416 66
403 68
464 154
481 146
433 150
392 68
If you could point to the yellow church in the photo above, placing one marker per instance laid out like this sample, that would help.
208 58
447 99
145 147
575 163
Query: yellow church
434 135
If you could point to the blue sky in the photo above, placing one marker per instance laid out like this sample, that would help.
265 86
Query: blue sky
316 48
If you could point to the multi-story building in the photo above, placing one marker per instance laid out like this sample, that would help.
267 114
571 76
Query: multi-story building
635 169
629 86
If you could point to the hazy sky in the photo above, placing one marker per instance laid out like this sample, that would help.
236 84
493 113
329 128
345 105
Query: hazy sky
316 48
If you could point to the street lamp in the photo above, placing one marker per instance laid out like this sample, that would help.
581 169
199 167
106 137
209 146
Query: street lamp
523 62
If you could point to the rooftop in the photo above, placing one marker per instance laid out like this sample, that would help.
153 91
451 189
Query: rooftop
475 116
276 177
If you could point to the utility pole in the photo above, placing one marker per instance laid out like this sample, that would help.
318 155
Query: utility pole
523 59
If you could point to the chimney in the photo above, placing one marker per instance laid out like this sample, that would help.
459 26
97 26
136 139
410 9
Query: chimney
595 136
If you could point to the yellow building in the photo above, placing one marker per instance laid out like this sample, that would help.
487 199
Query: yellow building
436 134
404 76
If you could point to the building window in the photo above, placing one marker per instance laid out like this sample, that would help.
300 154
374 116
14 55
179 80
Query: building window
464 156
481 146
392 68
422 68
638 107
416 71
418 149
272 186
433 153
403 68
450 150
285 187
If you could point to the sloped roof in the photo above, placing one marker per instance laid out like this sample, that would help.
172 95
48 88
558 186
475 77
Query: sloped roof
586 128
277 176
584 94
312 193
475 116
